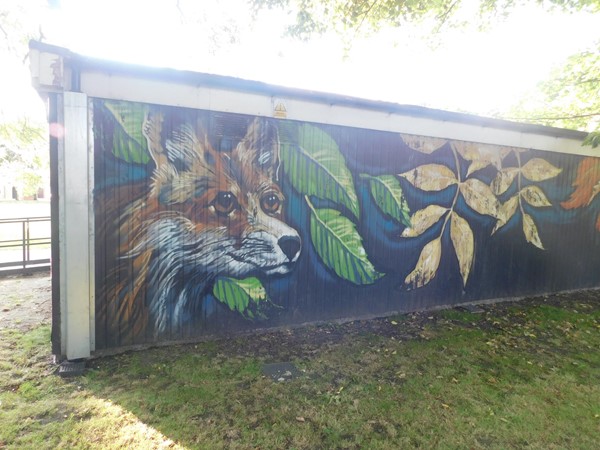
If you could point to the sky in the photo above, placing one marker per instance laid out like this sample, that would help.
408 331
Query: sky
472 71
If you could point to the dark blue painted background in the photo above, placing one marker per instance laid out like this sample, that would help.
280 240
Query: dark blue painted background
505 265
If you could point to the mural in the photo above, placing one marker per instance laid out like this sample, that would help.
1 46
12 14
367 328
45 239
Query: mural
210 223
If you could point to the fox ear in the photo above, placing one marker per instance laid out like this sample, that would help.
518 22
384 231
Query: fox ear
186 148
260 147
152 131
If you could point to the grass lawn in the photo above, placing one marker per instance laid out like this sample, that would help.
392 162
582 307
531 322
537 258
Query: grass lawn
520 375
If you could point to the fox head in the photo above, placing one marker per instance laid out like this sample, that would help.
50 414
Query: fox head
214 213
204 213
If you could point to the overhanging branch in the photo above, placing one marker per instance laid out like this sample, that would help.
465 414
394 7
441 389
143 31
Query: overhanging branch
574 116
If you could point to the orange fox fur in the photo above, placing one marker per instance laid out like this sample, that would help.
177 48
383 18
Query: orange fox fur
204 213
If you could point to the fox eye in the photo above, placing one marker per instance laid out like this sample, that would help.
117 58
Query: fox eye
224 203
270 203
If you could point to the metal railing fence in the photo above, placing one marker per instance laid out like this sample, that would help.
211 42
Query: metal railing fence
24 244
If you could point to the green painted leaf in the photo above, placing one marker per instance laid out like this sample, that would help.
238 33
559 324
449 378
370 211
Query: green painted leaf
339 246
315 166
238 294
129 143
388 195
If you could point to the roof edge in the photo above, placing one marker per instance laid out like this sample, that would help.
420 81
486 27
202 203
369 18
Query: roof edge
80 63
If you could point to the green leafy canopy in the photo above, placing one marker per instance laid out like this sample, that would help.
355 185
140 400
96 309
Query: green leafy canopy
349 17
569 98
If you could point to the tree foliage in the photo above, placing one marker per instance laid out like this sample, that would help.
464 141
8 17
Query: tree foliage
23 152
364 16
18 25
569 98
23 142
18 143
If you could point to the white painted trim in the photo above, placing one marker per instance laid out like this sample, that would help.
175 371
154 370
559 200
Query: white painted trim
62 241
120 87
74 217
51 71
91 225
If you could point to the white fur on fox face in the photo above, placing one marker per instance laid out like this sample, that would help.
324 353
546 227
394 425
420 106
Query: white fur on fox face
216 252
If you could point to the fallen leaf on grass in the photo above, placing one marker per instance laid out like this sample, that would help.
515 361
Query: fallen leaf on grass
300 419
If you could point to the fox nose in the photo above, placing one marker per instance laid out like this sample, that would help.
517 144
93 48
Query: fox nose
290 245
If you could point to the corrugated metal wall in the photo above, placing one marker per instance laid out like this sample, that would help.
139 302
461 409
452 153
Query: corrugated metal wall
214 223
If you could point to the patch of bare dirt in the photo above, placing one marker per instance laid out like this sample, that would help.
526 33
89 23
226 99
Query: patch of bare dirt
306 341
25 301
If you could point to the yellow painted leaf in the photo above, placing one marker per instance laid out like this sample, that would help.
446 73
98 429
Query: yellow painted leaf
538 169
423 144
531 232
423 219
430 177
506 211
535 196
464 244
479 197
477 165
504 179
480 155
427 265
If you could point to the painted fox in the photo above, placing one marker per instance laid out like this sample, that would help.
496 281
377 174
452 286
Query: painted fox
205 213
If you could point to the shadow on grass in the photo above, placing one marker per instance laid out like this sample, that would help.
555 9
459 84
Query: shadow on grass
524 375
521 375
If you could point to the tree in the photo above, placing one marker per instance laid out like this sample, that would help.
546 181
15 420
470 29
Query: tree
569 98
18 25
23 154
349 17
23 143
